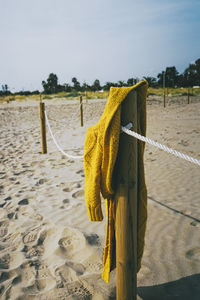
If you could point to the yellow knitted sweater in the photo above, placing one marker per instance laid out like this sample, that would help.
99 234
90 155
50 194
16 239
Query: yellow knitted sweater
100 152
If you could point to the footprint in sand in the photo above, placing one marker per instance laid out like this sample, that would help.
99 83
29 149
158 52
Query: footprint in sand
77 267
14 240
92 239
77 290
77 185
10 215
33 251
28 273
4 261
73 184
23 202
4 276
67 189
44 279
11 260
66 201
38 217
12 179
184 143
193 254
65 273
80 171
78 194
93 263
18 173
3 230
71 161
194 223
31 236
2 204
41 181
72 241
19 192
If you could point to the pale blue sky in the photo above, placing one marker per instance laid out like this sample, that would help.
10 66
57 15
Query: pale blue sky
106 39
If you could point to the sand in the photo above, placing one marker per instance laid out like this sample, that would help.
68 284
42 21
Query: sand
48 247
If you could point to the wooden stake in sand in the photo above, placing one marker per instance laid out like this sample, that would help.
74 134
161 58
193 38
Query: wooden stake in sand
43 128
188 96
81 110
126 205
164 98
164 88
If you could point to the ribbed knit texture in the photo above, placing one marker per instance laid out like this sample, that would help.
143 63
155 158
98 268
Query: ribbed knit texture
100 153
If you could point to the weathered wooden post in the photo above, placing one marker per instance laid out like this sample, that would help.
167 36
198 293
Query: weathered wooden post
86 97
164 88
81 110
188 96
126 205
164 98
43 128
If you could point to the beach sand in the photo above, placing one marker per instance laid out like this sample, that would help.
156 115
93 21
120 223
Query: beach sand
49 249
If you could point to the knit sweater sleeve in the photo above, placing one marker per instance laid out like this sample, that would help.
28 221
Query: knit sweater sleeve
92 166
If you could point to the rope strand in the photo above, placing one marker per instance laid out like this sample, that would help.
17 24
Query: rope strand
57 145
160 146
126 129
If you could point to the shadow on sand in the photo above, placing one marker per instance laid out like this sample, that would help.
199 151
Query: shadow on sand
183 289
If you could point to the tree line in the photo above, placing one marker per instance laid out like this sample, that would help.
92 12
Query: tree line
170 77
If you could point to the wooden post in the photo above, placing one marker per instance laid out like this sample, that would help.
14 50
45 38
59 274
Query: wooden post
164 88
43 128
164 98
86 97
81 110
188 97
126 205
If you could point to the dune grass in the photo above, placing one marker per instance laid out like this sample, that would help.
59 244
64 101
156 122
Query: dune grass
170 92
174 92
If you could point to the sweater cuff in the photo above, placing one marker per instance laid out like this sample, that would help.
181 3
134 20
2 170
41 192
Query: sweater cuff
95 213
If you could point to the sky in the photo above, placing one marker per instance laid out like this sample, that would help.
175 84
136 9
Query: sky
109 40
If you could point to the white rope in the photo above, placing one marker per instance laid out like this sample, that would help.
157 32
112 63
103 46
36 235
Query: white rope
160 146
126 129
57 145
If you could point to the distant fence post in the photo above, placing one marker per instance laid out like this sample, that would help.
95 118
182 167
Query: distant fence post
126 205
43 128
81 110
188 96
164 98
